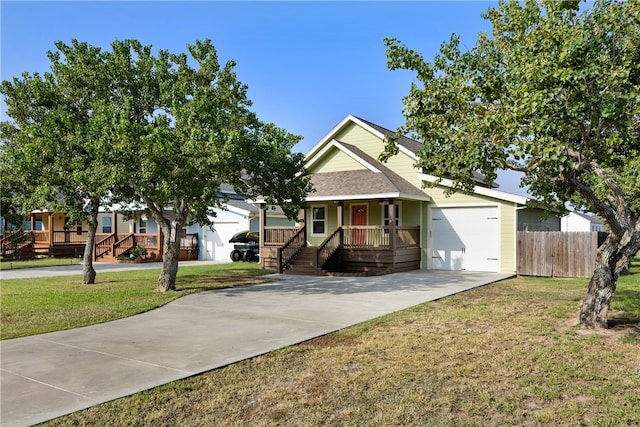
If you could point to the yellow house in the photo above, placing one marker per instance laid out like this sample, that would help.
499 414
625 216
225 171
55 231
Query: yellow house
371 217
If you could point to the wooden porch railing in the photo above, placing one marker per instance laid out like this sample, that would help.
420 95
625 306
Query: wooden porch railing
16 241
189 241
329 247
291 248
70 237
376 236
407 237
277 236
40 236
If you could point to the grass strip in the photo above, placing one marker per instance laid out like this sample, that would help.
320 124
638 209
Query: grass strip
8 264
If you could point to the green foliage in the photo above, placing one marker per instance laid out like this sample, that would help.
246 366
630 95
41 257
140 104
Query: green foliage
552 92
138 251
192 130
53 151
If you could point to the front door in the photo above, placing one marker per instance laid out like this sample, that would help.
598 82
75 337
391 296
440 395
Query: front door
359 218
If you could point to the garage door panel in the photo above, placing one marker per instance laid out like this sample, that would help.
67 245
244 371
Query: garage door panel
465 239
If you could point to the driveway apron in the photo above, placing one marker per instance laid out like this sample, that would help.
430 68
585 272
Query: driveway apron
50 375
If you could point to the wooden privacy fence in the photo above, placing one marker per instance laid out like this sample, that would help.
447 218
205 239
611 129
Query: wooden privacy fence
556 254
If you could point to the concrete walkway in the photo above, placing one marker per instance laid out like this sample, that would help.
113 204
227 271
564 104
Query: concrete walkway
50 375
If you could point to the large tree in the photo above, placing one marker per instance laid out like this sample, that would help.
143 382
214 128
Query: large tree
552 92
162 131
54 145
181 127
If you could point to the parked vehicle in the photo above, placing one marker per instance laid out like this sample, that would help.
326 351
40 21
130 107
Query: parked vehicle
246 246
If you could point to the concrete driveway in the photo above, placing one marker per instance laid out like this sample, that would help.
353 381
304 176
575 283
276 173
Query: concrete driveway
50 375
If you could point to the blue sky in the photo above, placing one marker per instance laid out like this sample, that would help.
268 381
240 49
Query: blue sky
307 64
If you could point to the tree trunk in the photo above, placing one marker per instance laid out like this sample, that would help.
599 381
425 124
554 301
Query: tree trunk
171 252
594 307
88 272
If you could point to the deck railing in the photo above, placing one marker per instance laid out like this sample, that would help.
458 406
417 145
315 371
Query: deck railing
188 241
70 237
16 241
40 236
407 237
376 236
291 248
278 236
329 247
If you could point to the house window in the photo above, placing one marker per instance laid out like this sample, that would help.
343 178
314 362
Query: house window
142 225
106 224
319 221
385 215
38 223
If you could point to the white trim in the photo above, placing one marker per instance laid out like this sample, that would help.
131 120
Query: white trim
424 198
236 210
340 147
398 218
337 128
482 191
326 220
312 153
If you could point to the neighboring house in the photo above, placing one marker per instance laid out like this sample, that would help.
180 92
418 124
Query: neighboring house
48 233
576 221
238 216
532 219
368 216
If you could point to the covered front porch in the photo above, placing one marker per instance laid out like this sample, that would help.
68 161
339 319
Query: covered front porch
50 234
362 236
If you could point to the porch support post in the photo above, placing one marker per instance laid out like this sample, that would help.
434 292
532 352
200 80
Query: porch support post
51 215
340 218
302 214
114 220
32 217
263 224
392 227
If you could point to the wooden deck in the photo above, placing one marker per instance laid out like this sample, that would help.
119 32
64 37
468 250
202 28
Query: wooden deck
348 250
108 247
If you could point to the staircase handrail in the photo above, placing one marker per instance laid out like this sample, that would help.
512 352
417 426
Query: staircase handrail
123 245
291 248
16 241
330 245
103 246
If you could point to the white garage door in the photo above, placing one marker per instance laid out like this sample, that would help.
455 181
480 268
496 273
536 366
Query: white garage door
465 239
217 246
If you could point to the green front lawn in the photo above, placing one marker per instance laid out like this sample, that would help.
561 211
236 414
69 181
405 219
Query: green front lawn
35 306
7 264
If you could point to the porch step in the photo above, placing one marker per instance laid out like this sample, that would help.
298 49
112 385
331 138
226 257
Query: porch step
304 263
